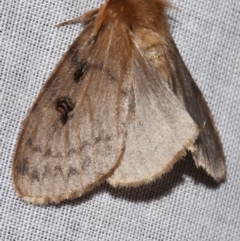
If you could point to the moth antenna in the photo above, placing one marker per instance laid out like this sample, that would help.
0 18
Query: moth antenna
85 18
70 21
102 13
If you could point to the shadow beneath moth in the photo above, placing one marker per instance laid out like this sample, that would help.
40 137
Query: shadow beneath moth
120 106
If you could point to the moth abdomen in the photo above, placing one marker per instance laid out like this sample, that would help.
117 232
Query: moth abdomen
64 106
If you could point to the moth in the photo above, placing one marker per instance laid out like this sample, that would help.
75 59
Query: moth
120 106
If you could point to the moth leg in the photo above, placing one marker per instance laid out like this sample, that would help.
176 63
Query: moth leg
85 18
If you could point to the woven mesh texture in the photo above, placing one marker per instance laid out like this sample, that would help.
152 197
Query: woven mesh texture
185 204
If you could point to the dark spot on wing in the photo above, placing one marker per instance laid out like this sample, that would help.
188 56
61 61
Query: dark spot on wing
47 171
64 106
83 145
48 153
108 138
37 149
29 142
105 139
98 139
34 175
86 163
58 170
80 72
109 147
58 155
22 166
72 171
124 93
71 151
110 75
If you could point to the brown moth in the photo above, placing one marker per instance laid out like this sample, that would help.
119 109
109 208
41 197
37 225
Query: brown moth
120 106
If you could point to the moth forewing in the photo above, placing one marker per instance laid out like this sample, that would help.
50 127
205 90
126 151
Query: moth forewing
72 138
